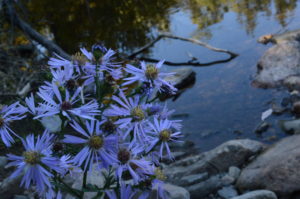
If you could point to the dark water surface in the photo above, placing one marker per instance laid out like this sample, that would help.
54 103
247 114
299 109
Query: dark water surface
222 100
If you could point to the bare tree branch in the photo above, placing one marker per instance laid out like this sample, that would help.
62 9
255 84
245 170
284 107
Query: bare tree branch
201 43
188 63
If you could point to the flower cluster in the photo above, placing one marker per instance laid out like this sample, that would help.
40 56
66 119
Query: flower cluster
102 116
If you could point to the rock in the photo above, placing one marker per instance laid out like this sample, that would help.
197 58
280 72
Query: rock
227 180
20 197
290 126
292 82
262 127
182 77
227 192
173 192
3 162
277 169
296 108
192 179
259 194
277 110
52 123
279 63
95 177
234 172
231 153
203 189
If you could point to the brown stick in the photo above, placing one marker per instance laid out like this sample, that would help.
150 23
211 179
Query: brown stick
201 43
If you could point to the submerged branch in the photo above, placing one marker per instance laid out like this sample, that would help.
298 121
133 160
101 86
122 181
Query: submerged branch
192 62
188 63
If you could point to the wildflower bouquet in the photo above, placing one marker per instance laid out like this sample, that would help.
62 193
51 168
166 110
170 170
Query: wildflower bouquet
104 118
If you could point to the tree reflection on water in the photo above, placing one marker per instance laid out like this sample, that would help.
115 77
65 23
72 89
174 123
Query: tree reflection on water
130 24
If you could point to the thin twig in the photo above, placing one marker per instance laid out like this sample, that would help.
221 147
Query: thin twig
201 43
188 63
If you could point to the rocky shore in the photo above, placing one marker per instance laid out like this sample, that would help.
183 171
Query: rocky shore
237 169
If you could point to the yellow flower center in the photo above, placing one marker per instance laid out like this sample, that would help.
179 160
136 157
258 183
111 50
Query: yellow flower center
137 113
151 72
165 135
32 157
96 142
79 58
159 174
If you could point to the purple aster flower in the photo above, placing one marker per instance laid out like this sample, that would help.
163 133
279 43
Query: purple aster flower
133 114
59 62
151 75
55 104
126 192
35 162
31 104
162 133
164 114
66 163
8 114
129 160
51 194
98 148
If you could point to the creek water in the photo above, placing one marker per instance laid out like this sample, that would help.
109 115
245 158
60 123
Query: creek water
222 104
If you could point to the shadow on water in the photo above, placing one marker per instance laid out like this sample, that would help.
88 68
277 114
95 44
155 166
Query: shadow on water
222 105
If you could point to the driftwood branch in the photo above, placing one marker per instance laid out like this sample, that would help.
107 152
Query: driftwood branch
192 62
14 19
188 63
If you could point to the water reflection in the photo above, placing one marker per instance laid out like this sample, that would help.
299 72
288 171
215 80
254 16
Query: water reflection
120 24
205 13
130 24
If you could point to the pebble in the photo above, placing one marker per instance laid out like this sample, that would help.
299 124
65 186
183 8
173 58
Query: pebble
20 197
227 179
234 172
3 161
227 192
258 194
193 179
264 126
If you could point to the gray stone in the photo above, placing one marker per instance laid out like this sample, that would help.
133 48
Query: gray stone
203 189
234 172
20 197
52 123
279 63
227 180
227 192
193 179
277 169
259 194
172 192
3 161
262 127
290 126
182 77
95 177
231 153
